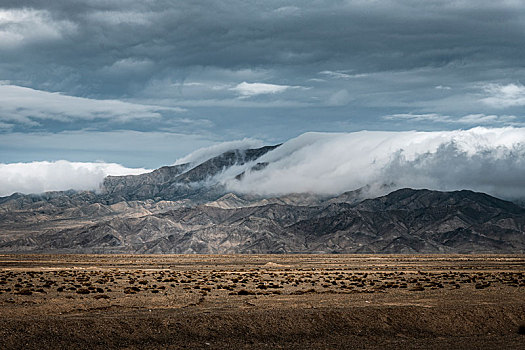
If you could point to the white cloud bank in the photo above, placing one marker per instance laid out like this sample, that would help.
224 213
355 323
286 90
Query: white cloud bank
504 96
25 105
38 177
481 159
490 160
252 89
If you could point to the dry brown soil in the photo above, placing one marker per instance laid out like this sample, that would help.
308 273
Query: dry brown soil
262 302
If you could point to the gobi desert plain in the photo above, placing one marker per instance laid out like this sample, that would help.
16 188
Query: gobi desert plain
262 301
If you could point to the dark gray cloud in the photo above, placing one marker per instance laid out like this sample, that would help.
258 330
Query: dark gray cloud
115 48
271 70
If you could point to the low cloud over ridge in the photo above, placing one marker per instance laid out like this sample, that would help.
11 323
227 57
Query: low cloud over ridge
205 153
38 177
480 159
490 160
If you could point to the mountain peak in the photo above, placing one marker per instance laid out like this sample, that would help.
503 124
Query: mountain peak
404 221
188 208
178 181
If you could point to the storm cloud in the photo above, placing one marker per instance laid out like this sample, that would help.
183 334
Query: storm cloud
268 70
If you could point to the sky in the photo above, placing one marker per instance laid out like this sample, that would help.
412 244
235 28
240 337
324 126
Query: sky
143 83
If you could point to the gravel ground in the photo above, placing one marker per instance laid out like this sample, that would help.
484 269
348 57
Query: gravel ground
262 302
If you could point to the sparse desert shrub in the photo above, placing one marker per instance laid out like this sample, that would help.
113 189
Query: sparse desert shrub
25 291
481 285
417 289
245 292
103 296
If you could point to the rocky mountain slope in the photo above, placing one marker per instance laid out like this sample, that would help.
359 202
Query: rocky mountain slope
179 181
184 209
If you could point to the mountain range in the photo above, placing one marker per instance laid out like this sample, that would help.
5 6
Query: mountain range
185 209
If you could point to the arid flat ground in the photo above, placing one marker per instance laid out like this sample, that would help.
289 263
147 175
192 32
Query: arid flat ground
262 301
